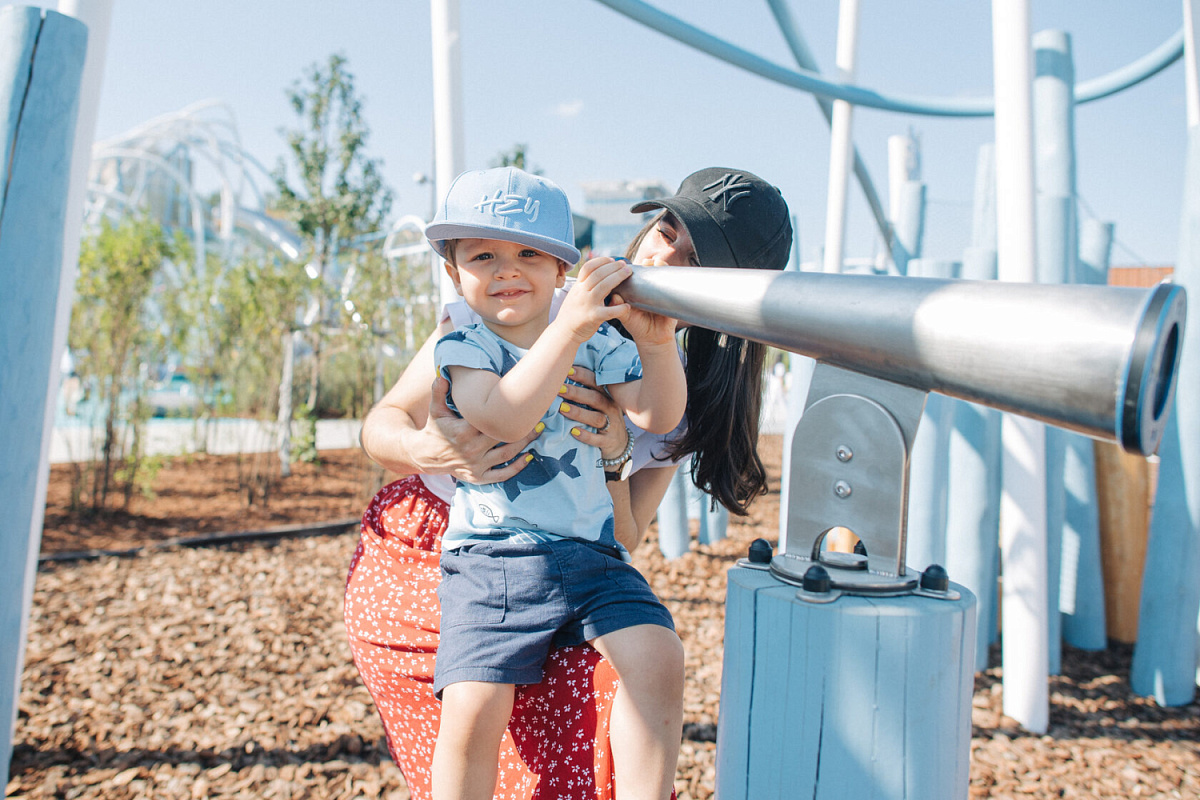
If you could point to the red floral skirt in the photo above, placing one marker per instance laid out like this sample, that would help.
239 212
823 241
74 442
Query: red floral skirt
557 743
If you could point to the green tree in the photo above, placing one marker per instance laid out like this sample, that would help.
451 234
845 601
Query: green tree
517 157
389 302
115 330
259 298
339 195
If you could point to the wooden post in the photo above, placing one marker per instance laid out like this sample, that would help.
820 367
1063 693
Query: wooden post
1125 494
41 64
862 697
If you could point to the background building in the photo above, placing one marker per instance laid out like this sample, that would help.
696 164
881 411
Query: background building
607 204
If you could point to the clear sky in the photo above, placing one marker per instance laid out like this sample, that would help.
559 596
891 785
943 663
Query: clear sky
597 96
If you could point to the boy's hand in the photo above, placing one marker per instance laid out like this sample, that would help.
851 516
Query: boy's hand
584 307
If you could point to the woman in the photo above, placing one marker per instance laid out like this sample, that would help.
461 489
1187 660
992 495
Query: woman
557 743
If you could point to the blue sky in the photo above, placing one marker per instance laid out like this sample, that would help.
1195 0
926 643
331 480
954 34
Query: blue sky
596 96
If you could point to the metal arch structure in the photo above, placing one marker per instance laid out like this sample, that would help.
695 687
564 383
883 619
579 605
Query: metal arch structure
808 80
152 167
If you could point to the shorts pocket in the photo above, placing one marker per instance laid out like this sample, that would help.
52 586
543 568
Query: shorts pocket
473 588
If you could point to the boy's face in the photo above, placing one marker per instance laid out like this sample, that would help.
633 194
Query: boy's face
509 285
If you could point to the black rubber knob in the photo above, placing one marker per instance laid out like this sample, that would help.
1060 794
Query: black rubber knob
935 578
760 552
816 580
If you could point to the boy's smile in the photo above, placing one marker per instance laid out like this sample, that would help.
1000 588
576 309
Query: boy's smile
509 285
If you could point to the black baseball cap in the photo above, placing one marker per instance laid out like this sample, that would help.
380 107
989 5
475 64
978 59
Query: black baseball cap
734 218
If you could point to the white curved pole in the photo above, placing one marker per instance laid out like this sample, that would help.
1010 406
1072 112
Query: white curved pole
1119 79
1023 503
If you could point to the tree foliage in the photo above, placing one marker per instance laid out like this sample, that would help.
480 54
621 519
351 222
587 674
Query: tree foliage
517 157
116 331
339 195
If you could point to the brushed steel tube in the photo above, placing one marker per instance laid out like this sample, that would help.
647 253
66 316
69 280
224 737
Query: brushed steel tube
1100 360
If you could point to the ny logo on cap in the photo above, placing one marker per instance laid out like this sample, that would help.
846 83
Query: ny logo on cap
730 190
504 204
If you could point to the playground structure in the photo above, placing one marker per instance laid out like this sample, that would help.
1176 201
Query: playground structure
1178 539
1099 360
156 169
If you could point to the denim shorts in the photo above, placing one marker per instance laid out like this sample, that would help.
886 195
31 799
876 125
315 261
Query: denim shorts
506 605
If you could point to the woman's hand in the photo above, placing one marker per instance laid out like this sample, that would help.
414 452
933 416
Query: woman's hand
453 446
604 426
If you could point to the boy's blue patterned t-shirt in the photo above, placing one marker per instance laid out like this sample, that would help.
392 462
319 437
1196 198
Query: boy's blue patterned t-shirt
561 492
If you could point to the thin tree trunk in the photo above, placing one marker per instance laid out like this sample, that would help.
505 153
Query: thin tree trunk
285 404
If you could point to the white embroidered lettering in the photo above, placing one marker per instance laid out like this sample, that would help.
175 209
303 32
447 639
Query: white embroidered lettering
505 205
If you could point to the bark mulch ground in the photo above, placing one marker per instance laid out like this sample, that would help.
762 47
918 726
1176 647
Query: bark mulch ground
223 671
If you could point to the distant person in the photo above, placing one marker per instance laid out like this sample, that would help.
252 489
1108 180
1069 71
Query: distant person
535 560
559 733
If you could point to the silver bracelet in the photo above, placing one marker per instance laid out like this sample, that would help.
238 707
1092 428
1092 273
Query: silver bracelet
608 463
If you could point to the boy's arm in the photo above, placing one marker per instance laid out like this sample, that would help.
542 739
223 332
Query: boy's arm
508 407
655 403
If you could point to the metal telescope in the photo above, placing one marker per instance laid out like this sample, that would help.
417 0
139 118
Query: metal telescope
1100 360
1095 359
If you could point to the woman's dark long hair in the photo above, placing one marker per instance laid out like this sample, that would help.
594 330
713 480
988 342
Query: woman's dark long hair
724 403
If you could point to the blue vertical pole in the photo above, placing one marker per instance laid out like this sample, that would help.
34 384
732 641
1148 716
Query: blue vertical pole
1054 151
713 522
1052 221
973 487
1084 623
674 539
1164 657
800 372
910 227
929 468
41 64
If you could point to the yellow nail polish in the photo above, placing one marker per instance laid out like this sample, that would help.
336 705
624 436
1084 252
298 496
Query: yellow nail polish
564 408
571 371
528 458
574 431
562 389
541 426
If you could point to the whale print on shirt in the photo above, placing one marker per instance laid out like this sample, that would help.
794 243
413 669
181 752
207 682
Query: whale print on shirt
540 471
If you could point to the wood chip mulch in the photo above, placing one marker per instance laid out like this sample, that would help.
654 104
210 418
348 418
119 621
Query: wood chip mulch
223 671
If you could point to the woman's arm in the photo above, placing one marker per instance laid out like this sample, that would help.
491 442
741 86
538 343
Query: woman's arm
639 496
411 430
635 502
656 402
647 487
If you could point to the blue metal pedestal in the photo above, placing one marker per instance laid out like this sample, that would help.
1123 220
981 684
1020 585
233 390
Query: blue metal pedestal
858 698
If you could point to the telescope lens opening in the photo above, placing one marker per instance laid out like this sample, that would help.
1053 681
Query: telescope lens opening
1166 371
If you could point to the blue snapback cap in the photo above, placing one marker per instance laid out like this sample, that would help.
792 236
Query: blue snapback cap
509 204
